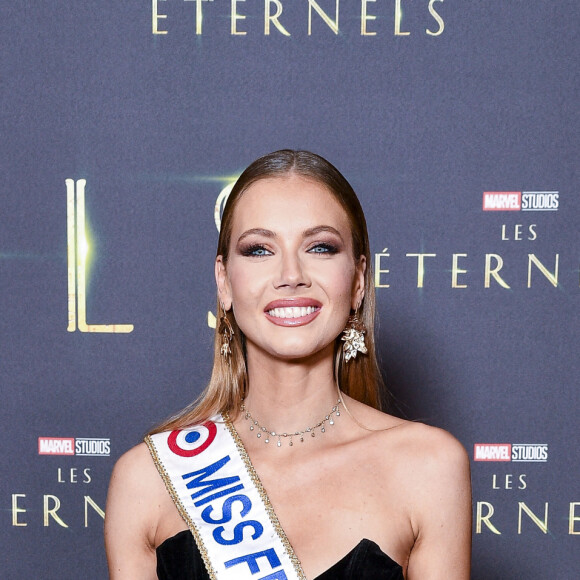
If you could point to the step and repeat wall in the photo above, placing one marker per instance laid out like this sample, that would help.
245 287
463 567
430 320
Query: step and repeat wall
123 125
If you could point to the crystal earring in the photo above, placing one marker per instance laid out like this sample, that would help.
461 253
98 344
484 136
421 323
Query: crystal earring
227 333
354 337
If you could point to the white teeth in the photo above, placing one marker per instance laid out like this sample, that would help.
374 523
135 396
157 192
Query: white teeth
291 311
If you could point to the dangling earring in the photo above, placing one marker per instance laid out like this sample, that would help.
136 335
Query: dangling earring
354 337
227 333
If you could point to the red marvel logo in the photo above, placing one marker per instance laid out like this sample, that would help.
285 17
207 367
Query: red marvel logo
502 200
56 446
492 452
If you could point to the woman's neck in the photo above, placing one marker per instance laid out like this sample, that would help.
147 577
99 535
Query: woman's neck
286 396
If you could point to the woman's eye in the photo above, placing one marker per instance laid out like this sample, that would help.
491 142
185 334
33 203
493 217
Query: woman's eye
323 249
257 251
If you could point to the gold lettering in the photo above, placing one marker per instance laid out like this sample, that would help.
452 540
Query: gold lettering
543 525
364 17
82 250
420 266
77 254
198 15
480 518
220 203
48 511
268 17
552 277
398 19
332 24
235 17
489 271
89 501
211 319
71 255
573 518
17 510
455 271
156 16
379 270
437 18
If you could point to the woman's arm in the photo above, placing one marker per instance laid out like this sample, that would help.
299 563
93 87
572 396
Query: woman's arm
131 518
442 511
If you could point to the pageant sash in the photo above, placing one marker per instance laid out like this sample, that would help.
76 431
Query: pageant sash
215 488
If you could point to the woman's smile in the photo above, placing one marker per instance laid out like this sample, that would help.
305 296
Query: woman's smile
293 311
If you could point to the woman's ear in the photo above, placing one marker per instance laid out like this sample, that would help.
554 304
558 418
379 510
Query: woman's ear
223 284
358 287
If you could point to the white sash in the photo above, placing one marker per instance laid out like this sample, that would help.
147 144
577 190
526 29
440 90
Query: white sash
217 492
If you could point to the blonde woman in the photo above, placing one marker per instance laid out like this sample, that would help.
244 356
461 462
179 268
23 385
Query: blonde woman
286 467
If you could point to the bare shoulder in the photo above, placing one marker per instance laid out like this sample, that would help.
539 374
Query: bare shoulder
420 445
430 447
133 487
134 466
134 507
433 469
433 464
422 458
135 480
428 471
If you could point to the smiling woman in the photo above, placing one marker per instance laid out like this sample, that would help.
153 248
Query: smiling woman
285 466
270 274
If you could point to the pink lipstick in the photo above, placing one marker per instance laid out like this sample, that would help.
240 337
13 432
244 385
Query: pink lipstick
292 311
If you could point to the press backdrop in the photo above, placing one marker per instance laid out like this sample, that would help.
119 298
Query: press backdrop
424 105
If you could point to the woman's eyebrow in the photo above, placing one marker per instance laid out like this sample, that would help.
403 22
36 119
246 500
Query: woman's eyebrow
318 229
306 233
257 232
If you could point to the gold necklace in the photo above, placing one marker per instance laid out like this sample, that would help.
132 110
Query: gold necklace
255 426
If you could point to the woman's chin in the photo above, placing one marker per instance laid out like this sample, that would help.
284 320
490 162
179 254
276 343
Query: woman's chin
297 353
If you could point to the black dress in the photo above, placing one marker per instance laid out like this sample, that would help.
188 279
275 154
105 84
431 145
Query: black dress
178 558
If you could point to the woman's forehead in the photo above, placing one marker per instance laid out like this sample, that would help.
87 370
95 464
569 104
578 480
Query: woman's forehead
288 201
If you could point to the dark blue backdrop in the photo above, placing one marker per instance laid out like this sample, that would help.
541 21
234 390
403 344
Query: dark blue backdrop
422 125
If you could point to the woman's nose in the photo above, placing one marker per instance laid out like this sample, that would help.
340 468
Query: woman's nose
292 272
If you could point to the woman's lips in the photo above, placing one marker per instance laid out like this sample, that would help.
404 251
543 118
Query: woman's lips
292 312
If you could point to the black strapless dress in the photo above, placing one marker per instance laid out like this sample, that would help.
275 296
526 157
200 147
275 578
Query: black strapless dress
178 558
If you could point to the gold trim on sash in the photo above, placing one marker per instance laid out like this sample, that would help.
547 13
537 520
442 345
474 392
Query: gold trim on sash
180 508
260 488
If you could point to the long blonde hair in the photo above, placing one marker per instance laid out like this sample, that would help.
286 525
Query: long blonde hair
360 378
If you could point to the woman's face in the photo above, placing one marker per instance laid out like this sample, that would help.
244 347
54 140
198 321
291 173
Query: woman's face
291 277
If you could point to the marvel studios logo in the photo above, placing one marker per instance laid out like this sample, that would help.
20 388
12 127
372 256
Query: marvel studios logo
83 446
528 452
521 200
